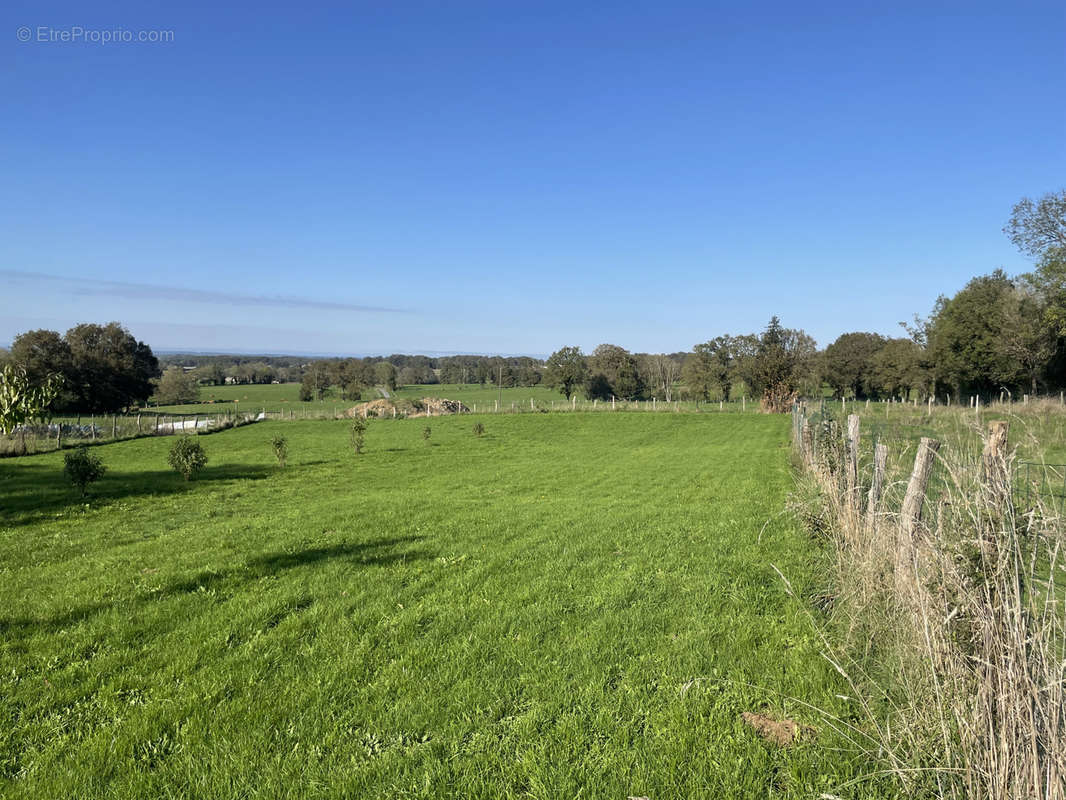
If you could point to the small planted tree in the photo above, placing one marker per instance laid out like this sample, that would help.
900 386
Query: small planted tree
187 456
358 434
479 429
280 446
426 433
82 468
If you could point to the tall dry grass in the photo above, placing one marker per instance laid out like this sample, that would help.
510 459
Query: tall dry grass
952 639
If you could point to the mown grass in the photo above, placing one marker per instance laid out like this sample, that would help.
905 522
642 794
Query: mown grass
569 606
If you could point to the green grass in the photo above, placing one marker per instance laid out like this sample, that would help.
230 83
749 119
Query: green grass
285 397
570 606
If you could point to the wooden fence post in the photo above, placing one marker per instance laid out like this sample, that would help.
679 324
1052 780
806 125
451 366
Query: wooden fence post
877 483
807 438
911 512
910 518
996 475
853 461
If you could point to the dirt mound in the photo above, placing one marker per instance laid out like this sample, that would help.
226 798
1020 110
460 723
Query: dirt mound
781 732
375 408
426 407
439 406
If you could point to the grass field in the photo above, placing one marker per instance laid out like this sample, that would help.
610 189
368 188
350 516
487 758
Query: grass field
286 397
570 606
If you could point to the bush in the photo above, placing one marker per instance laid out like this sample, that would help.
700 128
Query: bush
479 429
426 433
187 456
358 433
82 468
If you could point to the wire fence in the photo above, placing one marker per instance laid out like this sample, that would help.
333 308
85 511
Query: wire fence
1040 484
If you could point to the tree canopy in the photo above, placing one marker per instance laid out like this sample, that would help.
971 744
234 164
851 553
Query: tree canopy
103 367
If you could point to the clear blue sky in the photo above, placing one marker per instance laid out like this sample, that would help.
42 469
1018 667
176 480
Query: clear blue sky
514 177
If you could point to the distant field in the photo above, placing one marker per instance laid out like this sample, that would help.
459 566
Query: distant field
571 605
286 397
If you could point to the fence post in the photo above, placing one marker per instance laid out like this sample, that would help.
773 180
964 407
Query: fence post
138 424
114 426
873 499
853 461
996 477
92 425
910 518
911 512
807 439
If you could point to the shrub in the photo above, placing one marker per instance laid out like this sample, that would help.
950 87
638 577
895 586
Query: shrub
82 468
281 449
479 429
187 456
358 434
426 433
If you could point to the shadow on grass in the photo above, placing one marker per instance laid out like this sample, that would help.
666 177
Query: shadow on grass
380 552
30 492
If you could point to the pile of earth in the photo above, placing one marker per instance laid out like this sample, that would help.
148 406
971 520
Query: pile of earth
426 407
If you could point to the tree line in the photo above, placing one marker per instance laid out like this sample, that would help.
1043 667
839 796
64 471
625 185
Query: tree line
997 336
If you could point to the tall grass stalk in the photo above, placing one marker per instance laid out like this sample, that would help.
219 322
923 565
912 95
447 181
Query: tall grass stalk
954 643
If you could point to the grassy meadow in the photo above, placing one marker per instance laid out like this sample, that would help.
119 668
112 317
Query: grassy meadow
568 606
285 397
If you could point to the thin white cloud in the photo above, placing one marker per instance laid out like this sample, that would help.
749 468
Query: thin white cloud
145 291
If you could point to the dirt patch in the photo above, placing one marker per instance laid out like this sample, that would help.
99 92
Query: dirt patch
782 732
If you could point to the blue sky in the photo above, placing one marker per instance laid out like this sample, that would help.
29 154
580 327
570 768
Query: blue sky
503 177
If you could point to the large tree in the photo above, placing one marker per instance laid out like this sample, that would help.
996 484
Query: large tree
1027 338
713 366
660 372
385 375
41 354
849 364
966 337
104 368
898 368
566 370
613 371
1036 318
779 366
176 387
113 370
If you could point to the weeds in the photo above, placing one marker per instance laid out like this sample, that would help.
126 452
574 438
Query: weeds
952 640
